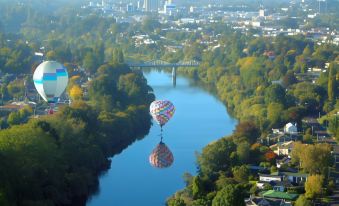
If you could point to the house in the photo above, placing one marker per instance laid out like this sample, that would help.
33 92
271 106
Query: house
15 106
283 148
259 201
296 177
272 194
283 161
270 178
276 131
290 128
281 186
261 184
278 185
293 177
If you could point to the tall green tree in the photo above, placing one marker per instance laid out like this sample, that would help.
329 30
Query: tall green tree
332 83
230 195
217 157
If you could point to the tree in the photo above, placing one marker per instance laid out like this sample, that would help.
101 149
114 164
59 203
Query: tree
14 118
188 178
76 92
307 51
275 93
243 151
247 131
149 24
270 156
303 201
333 125
197 187
230 195
201 202
223 181
118 57
274 111
176 202
241 173
332 84
89 62
216 157
289 79
314 185
314 159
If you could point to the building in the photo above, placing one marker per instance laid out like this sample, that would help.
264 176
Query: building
262 13
290 128
283 161
16 106
293 177
272 194
130 8
270 178
282 186
259 201
169 8
151 5
284 148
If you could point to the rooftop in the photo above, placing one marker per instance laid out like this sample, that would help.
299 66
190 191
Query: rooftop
280 195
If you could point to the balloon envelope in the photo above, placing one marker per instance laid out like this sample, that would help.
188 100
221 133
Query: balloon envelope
162 111
50 80
161 156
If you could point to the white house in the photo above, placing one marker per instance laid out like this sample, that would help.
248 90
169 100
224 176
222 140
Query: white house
290 128
269 178
284 148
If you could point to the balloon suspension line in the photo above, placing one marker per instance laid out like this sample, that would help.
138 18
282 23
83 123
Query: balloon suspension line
161 137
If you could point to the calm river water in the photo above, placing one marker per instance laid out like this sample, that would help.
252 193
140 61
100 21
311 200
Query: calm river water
200 118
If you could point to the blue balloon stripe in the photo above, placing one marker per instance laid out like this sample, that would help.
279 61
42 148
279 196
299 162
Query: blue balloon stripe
50 78
60 70
61 74
38 81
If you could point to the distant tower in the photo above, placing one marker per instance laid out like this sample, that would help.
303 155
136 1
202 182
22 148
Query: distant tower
261 11
151 5
138 5
319 7
102 3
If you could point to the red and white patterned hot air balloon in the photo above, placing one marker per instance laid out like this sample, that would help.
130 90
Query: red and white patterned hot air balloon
162 111
161 156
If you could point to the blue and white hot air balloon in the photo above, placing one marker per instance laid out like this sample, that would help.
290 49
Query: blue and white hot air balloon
50 80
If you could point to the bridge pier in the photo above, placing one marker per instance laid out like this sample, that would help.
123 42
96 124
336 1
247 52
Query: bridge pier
174 76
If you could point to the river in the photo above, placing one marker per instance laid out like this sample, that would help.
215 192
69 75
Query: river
200 118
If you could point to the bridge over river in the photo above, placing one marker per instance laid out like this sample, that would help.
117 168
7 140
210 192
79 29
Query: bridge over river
160 64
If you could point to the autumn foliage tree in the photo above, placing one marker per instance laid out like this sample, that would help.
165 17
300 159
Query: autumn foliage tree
247 131
312 158
76 92
313 186
270 156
